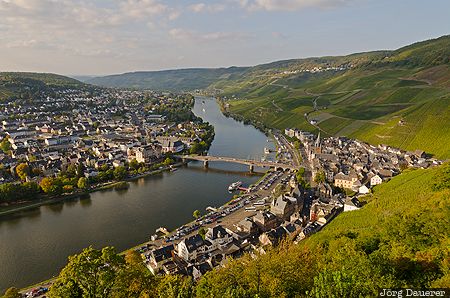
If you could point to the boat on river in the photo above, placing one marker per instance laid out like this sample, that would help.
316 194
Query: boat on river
235 185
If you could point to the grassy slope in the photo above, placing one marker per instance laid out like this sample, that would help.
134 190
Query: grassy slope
411 84
400 238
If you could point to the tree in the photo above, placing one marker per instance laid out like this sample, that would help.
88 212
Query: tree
23 171
5 145
195 148
168 161
135 280
134 164
12 293
50 185
202 232
280 189
196 214
67 188
80 170
337 284
91 273
175 286
83 183
300 174
120 173
71 170
320 177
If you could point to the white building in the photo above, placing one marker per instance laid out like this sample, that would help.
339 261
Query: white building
375 180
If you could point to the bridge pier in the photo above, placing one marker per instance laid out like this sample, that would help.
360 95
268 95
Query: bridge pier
251 168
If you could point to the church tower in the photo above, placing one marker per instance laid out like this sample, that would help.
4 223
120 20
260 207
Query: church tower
318 145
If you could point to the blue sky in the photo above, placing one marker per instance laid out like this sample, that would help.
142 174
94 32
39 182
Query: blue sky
114 36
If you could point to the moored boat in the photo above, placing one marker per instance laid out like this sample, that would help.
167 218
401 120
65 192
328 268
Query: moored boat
233 186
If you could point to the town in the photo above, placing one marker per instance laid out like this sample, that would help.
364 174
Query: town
74 140
332 176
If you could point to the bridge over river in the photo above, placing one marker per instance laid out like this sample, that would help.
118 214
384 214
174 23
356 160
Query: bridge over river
250 162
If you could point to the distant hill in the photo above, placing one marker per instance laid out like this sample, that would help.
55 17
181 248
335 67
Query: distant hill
26 84
171 80
400 98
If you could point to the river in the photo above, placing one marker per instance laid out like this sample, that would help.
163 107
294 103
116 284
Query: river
34 245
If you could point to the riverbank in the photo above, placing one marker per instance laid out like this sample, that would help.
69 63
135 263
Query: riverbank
41 240
227 113
80 194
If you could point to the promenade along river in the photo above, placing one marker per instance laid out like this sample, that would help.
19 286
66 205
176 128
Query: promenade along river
34 245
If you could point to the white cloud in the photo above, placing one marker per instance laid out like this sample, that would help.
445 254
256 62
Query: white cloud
202 7
290 5
175 14
194 36
143 8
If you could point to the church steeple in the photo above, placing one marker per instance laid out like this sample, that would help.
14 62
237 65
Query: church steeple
317 143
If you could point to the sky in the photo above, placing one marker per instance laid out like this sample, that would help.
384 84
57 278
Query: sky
99 37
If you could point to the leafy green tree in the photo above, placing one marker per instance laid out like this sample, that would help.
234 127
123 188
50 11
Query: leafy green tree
195 148
134 164
202 232
196 214
71 170
91 273
29 190
280 189
12 293
5 145
135 280
104 168
23 171
83 183
320 177
300 174
120 173
80 170
337 284
168 161
65 288
175 286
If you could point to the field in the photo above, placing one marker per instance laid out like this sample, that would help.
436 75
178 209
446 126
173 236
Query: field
403 107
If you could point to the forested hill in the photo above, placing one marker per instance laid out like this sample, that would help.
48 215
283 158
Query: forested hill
171 80
15 85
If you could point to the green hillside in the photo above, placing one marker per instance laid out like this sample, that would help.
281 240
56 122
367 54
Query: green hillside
400 238
15 85
172 80
400 98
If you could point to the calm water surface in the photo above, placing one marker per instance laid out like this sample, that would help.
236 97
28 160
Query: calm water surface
34 245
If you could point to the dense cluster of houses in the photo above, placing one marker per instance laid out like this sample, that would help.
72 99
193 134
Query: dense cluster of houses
318 69
195 254
109 127
355 165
